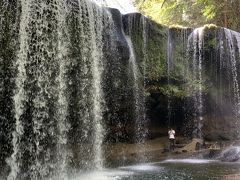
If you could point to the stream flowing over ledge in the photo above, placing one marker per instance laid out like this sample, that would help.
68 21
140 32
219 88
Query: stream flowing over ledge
76 77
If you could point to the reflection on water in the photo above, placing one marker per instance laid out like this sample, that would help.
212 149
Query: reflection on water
179 169
143 167
191 161
104 175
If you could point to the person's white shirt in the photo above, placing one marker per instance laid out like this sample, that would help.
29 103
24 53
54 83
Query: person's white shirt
171 134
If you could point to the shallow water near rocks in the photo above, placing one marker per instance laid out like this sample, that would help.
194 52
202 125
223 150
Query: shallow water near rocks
179 169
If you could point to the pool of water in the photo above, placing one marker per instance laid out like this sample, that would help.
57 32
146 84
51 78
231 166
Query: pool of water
173 169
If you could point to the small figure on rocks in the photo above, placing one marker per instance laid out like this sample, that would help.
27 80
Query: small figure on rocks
171 136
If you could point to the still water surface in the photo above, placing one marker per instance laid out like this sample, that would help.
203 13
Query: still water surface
182 169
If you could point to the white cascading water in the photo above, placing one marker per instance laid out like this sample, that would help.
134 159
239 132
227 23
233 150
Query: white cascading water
34 49
231 36
138 71
42 86
140 117
134 69
96 30
145 121
63 124
144 46
20 95
196 38
86 115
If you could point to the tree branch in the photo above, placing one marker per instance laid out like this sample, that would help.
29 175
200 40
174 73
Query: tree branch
164 1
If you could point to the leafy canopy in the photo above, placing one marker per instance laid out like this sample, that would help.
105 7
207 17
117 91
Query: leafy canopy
192 13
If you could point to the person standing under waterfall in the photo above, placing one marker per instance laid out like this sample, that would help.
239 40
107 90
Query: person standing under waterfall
171 136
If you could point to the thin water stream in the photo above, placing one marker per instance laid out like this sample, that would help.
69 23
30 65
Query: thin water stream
196 42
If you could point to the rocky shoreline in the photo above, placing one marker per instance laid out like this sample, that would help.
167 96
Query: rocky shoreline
157 150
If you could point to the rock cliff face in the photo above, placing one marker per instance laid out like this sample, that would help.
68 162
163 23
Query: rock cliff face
75 76
191 77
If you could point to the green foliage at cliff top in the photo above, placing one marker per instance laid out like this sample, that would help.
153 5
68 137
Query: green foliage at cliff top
192 13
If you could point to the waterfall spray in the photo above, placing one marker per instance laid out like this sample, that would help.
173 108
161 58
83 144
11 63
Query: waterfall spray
144 64
230 35
41 100
96 30
137 71
20 95
63 124
196 38
169 64
134 68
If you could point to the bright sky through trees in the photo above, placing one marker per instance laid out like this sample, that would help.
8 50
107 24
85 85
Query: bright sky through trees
192 13
125 6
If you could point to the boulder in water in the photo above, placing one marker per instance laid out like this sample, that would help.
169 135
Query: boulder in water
231 154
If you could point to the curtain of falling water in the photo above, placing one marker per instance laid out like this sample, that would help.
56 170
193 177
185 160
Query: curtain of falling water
169 64
96 19
145 121
81 85
20 95
40 104
44 84
96 30
9 27
237 37
86 23
138 118
137 69
231 36
62 55
196 42
135 73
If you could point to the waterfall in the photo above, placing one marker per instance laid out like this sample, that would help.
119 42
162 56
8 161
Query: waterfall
144 121
20 95
138 71
63 124
41 56
58 97
133 67
185 53
88 22
169 64
169 54
136 28
144 66
96 29
196 42
231 36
